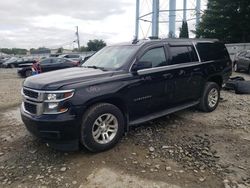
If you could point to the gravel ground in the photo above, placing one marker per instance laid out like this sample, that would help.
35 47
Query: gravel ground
185 149
10 88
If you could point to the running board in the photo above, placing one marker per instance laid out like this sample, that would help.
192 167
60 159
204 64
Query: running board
162 113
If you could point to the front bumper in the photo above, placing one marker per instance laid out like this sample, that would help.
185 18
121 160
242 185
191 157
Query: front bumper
60 131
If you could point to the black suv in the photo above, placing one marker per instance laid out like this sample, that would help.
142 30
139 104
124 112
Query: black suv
121 86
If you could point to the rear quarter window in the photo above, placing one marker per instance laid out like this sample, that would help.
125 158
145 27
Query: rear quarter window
212 51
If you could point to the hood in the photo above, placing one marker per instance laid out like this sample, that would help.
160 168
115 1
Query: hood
56 79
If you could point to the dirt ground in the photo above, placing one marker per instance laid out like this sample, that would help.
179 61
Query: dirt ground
186 149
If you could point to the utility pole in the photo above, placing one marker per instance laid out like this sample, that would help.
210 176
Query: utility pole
77 38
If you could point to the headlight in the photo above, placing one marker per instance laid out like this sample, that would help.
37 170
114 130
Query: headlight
58 96
52 101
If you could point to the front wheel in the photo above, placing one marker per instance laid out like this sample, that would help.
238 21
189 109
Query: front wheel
210 97
102 127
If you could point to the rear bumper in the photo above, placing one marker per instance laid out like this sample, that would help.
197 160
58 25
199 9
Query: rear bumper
60 131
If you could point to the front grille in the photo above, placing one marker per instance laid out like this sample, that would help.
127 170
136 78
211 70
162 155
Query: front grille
31 108
29 93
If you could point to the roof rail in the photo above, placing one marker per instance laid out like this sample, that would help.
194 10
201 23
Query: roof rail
135 40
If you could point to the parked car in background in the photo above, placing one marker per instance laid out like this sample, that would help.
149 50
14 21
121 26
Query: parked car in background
48 64
75 57
2 60
242 61
9 62
14 62
55 55
85 58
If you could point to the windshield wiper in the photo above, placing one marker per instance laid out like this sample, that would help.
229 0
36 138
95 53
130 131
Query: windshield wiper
95 67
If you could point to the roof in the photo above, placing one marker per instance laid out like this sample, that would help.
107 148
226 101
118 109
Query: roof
170 40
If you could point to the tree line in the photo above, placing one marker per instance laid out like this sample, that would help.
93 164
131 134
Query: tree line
92 45
226 20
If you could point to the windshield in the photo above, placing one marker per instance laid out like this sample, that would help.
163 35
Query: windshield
111 57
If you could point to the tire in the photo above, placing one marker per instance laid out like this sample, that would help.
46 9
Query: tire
242 87
210 97
28 73
101 114
236 69
248 70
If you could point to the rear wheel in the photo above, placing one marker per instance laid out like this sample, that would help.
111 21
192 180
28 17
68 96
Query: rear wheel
102 127
210 97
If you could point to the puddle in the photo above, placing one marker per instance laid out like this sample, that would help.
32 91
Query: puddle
106 177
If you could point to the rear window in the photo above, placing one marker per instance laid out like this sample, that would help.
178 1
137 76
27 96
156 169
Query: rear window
212 51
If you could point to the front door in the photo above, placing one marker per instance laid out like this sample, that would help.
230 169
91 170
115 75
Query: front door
145 94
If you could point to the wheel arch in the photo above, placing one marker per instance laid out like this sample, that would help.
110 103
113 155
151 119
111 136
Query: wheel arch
116 101
217 79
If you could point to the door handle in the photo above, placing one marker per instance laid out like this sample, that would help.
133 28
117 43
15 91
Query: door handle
197 69
182 72
167 75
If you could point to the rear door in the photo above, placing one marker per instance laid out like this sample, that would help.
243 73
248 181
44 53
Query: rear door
66 63
187 73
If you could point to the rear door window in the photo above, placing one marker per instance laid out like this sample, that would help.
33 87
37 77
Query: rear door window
46 62
59 60
180 54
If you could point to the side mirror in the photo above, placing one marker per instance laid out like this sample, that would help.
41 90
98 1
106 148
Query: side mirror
141 65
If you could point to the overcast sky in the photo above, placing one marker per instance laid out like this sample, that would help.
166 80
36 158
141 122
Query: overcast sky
51 23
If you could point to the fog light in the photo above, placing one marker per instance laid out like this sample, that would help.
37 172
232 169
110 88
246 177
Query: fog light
52 105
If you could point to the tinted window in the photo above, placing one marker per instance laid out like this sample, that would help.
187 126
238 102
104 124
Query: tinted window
156 56
180 54
193 53
45 62
59 60
72 56
212 51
